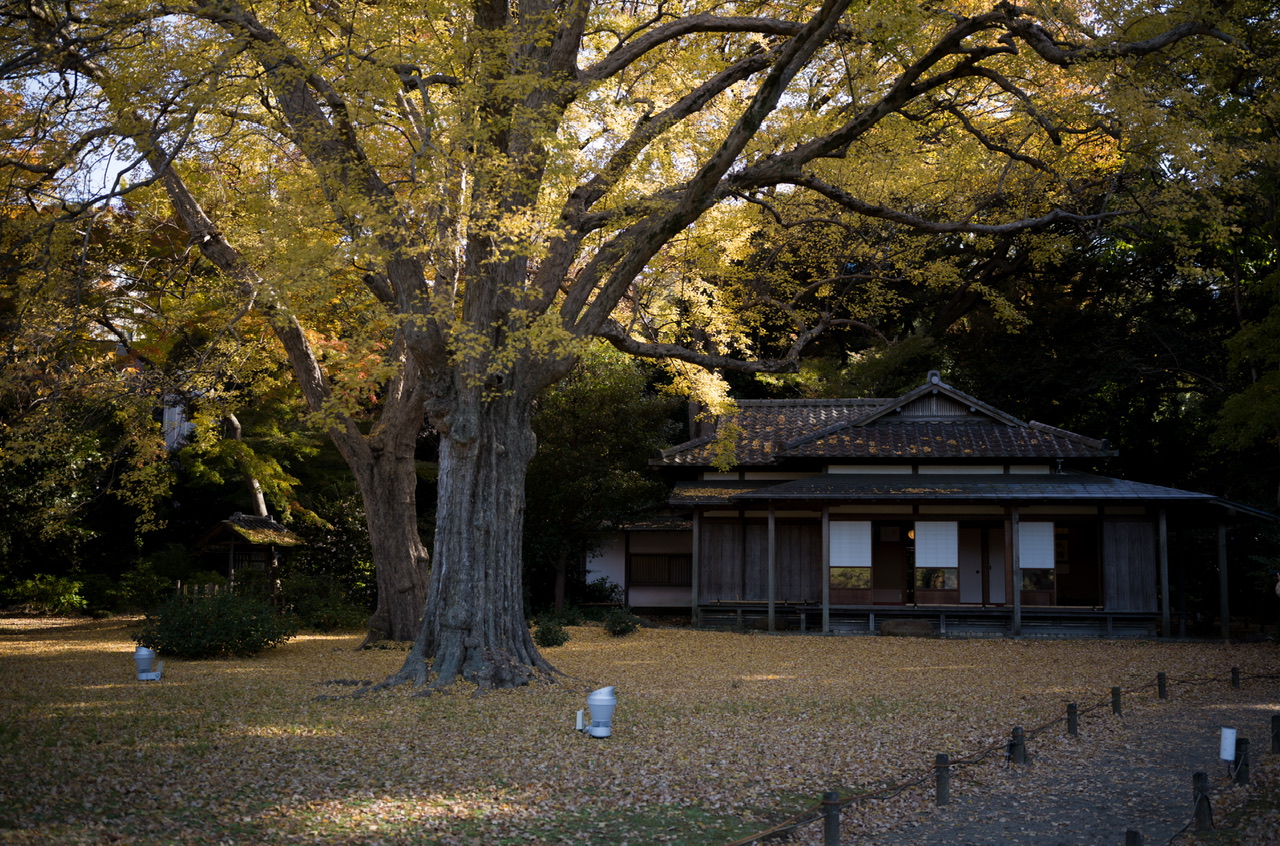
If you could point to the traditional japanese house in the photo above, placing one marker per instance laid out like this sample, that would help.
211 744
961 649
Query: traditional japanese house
842 514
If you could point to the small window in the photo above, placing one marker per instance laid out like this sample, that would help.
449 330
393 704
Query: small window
937 578
850 578
661 570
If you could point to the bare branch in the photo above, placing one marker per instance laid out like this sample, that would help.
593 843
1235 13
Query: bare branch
628 53
919 224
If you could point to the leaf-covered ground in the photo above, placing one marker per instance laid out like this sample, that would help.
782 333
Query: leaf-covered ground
716 735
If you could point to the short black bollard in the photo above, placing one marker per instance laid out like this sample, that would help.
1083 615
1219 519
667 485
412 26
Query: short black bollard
1162 685
831 818
1132 838
943 792
1018 746
1240 766
1073 719
1202 813
1235 677
1115 701
1275 734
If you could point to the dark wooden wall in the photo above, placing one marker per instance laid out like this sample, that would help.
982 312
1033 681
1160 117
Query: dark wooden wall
734 556
1129 565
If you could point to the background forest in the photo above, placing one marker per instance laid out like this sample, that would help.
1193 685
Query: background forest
1156 327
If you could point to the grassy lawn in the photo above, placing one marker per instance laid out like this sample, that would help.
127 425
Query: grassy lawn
716 734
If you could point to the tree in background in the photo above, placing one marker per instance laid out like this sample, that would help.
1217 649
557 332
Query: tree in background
486 186
597 429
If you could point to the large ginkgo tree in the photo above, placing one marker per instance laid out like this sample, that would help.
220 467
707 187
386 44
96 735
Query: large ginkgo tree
488 185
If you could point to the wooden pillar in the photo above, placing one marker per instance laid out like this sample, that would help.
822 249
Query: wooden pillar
1224 605
626 567
695 569
772 564
826 569
1014 583
1162 544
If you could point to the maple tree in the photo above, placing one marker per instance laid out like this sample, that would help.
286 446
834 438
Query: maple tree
482 187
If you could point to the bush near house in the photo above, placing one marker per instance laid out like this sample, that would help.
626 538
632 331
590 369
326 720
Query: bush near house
215 626
550 630
619 622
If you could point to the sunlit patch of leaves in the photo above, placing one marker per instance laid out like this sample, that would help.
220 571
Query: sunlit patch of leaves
716 734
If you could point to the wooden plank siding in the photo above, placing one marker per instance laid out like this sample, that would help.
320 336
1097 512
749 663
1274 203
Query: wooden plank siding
734 557
720 561
799 561
1129 565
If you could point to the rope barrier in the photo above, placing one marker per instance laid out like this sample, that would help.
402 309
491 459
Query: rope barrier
1200 805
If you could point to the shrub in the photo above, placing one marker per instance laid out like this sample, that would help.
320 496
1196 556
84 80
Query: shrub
619 622
47 594
142 587
214 626
603 591
550 633
320 603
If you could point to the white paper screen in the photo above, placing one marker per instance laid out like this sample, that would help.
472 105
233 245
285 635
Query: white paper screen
1035 546
850 543
937 544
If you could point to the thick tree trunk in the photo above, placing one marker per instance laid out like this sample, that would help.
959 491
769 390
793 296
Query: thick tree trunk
385 470
388 485
474 625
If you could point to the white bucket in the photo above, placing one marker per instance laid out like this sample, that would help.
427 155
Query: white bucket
145 659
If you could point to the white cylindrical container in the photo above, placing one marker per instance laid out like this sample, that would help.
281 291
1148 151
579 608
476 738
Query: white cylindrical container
145 659
1227 749
601 702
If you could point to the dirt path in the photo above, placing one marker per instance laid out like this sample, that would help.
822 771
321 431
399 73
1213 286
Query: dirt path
1123 773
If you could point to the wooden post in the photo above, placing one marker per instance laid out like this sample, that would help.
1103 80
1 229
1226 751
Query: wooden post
1224 604
943 766
1240 766
1202 812
695 569
1162 685
1275 734
826 569
1162 541
831 818
1132 838
771 561
1235 677
1015 570
1115 701
626 569
1073 720
1018 746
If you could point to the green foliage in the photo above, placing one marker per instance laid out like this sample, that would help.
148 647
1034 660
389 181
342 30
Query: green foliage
320 603
596 431
141 587
550 633
214 626
47 594
619 622
603 590
336 548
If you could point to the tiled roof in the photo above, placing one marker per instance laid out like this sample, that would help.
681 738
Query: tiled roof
1054 487
974 439
934 421
766 424
712 493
